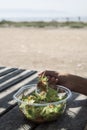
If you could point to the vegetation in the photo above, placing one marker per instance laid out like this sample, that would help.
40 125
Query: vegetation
42 24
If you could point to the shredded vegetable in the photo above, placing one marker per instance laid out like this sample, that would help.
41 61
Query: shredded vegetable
45 95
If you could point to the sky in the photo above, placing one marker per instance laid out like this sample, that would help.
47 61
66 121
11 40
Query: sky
43 8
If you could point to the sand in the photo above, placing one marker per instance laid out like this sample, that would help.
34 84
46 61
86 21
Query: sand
61 49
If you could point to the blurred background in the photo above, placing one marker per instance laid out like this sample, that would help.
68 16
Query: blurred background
44 34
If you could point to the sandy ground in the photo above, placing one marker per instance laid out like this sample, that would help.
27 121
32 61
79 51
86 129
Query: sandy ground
61 49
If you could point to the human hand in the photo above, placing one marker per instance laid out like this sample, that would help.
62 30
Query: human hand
73 82
55 78
52 77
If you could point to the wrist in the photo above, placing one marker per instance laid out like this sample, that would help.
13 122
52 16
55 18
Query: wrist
66 80
62 78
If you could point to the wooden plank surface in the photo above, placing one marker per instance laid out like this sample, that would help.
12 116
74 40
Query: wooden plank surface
85 127
7 71
6 102
10 75
15 81
2 67
74 118
12 119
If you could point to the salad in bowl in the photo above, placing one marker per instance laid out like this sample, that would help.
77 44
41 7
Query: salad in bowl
40 102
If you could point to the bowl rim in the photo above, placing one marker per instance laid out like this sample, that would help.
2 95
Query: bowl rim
68 91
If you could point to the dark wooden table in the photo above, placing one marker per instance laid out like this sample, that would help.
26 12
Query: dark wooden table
11 79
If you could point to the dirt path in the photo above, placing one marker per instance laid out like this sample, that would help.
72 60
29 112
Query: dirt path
39 49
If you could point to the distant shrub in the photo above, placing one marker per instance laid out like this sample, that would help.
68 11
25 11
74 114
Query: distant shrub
42 24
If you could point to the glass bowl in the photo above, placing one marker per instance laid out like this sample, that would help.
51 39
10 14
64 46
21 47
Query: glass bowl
45 111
